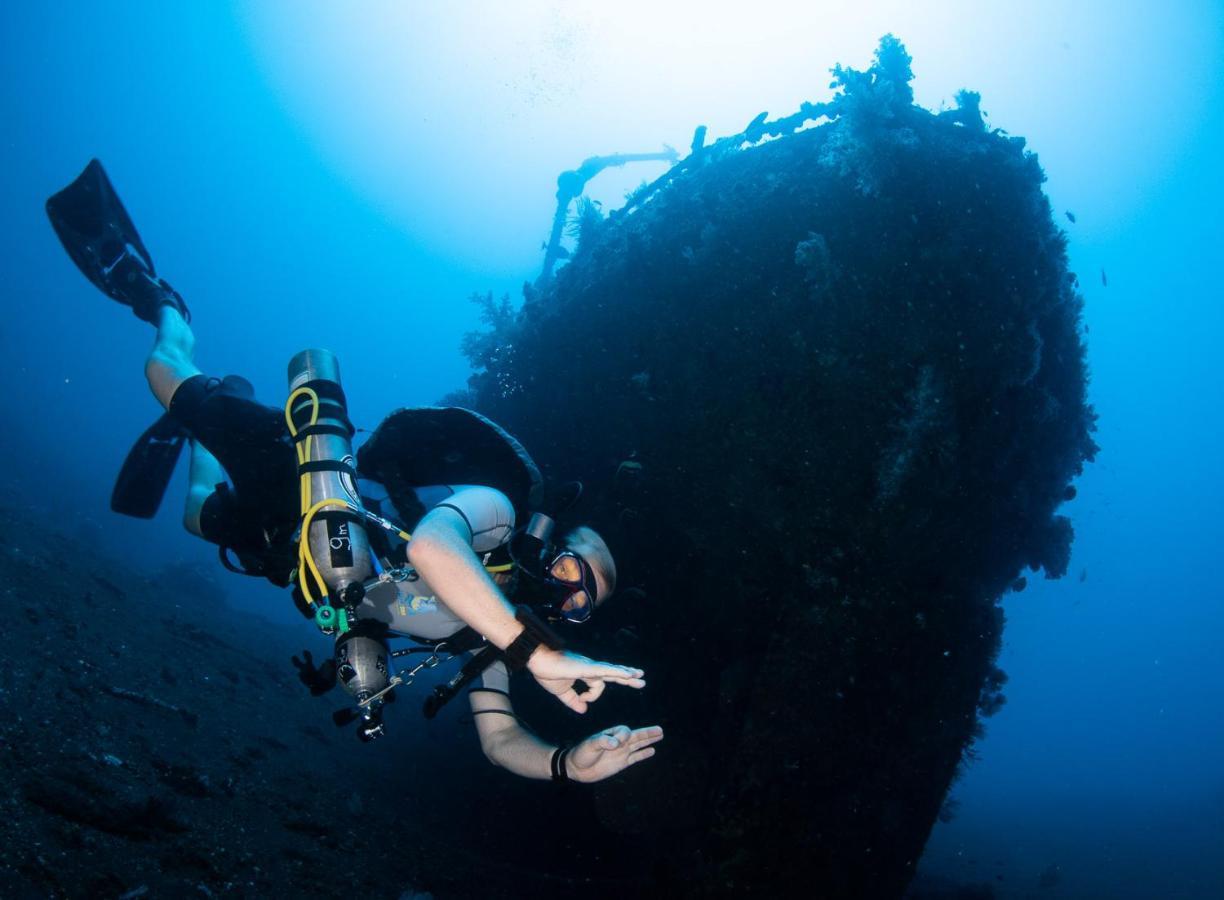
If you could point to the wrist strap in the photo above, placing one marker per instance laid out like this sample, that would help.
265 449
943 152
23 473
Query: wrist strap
534 633
559 771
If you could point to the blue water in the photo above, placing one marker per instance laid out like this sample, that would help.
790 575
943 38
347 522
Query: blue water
313 174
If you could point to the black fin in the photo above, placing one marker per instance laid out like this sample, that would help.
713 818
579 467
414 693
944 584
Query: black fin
100 238
146 472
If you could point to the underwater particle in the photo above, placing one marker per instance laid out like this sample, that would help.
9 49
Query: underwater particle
1070 216
1083 575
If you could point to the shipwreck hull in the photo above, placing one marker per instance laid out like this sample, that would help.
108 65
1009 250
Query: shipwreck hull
826 392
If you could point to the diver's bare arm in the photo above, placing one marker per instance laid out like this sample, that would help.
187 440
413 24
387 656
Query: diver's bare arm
441 551
509 745
505 742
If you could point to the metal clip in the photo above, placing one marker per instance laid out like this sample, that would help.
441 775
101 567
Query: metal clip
407 678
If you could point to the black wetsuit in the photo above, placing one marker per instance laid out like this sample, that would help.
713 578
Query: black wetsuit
259 509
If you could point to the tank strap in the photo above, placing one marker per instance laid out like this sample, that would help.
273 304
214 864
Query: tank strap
326 465
331 395
346 430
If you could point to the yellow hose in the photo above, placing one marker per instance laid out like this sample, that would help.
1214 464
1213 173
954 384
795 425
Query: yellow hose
305 560
307 511
303 447
306 563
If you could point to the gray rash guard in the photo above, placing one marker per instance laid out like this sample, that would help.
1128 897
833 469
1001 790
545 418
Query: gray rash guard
410 607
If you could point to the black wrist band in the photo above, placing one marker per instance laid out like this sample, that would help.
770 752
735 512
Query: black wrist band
534 633
559 771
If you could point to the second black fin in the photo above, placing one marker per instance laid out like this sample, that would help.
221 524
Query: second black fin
146 472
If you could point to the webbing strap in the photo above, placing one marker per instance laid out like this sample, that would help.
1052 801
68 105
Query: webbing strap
342 514
326 389
345 430
326 465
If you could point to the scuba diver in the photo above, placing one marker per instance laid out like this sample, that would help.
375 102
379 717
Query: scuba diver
284 496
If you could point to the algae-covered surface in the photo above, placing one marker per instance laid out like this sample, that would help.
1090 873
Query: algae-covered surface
826 388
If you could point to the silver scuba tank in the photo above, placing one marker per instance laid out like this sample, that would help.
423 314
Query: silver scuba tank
363 667
337 542
362 664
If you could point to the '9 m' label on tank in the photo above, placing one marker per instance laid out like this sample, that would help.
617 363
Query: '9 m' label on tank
339 542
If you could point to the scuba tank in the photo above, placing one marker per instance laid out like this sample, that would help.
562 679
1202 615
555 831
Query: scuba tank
334 554
333 529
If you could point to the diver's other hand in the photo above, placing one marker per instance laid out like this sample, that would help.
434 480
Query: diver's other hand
557 670
320 680
610 751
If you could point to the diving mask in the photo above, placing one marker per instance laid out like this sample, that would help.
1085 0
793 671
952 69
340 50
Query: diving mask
573 582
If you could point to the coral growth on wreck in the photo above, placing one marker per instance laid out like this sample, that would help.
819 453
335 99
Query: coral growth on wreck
842 351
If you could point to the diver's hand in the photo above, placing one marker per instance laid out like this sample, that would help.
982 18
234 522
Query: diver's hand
557 670
612 750
320 680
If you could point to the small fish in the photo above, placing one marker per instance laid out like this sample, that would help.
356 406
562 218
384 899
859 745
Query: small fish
1071 216
1083 575
1104 279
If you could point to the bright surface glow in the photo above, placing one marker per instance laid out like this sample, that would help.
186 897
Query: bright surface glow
418 105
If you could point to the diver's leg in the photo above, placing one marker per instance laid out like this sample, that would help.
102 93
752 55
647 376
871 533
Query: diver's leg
170 361
203 477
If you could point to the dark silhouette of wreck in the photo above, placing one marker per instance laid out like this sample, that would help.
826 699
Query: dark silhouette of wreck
826 388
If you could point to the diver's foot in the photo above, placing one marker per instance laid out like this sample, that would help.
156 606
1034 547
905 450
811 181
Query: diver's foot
150 310
130 281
